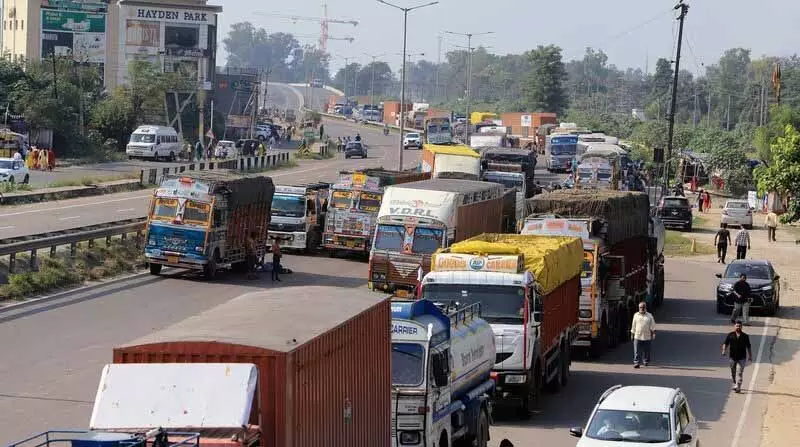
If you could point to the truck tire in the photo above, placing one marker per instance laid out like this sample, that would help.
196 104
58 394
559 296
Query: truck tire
600 344
210 269
155 269
565 361
530 403
482 436
555 384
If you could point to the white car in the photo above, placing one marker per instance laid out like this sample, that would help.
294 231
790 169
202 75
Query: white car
633 416
412 140
14 171
737 213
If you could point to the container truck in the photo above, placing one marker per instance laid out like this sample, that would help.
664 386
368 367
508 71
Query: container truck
487 139
322 356
525 159
598 167
201 221
441 160
418 218
298 216
442 359
528 288
438 130
623 263
353 206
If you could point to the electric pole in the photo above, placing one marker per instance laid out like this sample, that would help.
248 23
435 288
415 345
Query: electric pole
684 9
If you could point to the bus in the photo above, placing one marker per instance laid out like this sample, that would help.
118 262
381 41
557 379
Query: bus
559 151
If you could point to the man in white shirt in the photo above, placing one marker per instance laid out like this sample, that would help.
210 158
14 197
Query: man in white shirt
643 330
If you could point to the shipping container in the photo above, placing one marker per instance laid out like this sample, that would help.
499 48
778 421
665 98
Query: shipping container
391 110
322 353
514 121
561 311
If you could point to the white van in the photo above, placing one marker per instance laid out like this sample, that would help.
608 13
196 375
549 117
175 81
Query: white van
157 142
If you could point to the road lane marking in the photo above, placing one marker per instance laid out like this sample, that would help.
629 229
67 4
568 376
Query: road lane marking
77 205
8 227
69 218
742 417
126 210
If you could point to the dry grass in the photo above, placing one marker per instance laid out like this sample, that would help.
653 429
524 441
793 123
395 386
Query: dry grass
680 244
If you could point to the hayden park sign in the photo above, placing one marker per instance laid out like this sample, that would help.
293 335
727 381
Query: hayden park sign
172 15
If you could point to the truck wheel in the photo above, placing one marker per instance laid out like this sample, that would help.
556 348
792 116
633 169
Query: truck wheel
530 403
155 269
482 437
210 269
555 384
565 361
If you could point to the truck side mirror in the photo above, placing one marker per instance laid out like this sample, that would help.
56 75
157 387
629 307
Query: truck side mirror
537 308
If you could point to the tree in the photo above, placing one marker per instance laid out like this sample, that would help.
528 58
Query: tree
783 174
544 89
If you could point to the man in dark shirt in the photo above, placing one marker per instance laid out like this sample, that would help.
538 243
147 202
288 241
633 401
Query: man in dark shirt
738 344
741 299
721 240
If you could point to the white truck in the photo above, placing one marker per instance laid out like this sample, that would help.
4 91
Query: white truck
450 161
487 139
441 375
298 216
528 288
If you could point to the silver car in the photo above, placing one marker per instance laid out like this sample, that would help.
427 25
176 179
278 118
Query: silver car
737 213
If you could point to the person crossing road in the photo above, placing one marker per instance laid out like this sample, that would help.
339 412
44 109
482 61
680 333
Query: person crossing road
737 343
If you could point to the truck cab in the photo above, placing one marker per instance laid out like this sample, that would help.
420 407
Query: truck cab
298 216
441 374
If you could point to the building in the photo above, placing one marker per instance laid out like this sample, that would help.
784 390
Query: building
178 35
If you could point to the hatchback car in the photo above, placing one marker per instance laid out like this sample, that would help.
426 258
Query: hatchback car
737 213
412 140
355 149
676 212
763 280
639 415
13 171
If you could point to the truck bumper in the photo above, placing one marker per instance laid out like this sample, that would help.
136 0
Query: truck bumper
511 387
402 290
583 334
177 261
291 241
341 242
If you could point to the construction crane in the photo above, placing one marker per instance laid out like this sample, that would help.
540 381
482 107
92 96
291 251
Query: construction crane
348 39
323 21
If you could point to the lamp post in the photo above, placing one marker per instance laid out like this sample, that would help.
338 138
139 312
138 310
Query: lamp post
403 80
469 75
372 80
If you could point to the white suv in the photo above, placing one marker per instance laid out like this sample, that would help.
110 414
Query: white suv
640 415
412 140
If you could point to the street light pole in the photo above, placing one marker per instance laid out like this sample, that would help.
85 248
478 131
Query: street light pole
403 76
469 75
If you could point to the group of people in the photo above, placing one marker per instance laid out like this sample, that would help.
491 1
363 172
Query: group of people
703 201
254 264
39 159
341 143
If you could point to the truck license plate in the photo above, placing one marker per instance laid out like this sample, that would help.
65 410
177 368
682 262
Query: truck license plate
172 259
350 244
402 293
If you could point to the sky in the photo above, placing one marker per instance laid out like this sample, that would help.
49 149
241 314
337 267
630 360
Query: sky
633 33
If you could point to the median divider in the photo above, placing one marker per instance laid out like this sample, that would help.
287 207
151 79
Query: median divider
153 176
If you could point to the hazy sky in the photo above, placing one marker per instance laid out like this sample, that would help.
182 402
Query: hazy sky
631 32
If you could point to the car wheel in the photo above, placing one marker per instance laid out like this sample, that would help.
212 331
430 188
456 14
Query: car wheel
27 179
346 156
721 307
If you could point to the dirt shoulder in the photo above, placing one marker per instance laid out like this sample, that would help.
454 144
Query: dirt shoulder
780 420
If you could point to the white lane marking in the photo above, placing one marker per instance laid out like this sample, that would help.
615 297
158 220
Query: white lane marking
69 218
8 227
743 417
126 210
77 205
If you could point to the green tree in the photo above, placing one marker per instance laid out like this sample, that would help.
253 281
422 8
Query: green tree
783 174
544 87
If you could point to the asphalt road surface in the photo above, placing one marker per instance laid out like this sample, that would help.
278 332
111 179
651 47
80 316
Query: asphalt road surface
53 353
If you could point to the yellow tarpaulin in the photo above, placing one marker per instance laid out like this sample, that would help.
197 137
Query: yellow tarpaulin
456 149
553 260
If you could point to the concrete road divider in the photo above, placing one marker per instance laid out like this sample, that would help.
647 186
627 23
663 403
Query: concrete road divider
153 176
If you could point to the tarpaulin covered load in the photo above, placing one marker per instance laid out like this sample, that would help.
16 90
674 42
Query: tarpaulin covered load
243 190
388 178
455 149
553 260
626 214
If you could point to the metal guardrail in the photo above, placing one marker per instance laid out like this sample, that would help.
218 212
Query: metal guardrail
33 243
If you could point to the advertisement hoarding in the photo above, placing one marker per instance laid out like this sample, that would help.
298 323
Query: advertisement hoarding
60 44
89 47
73 21
143 34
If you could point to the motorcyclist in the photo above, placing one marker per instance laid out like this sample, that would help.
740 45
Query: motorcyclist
358 137
678 190
385 129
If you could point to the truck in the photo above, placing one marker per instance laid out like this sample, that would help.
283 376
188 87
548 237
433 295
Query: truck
438 130
559 151
528 288
488 140
418 218
525 159
515 183
202 221
298 216
442 160
623 259
353 205
598 167
442 359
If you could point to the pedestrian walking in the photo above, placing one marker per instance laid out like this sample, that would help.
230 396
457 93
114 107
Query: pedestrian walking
741 299
707 201
250 255
742 243
700 200
643 330
276 260
722 239
771 222
738 346
198 150
321 131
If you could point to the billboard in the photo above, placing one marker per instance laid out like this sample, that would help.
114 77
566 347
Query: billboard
73 21
140 33
60 44
89 47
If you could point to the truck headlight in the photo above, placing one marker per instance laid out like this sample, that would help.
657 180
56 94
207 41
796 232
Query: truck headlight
515 378
586 313
410 437
766 288
378 276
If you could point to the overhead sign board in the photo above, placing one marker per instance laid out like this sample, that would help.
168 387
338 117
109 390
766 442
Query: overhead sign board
178 15
73 21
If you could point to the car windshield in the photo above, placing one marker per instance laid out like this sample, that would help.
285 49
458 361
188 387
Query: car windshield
6 164
412 135
753 271
369 202
676 202
738 205
407 364
629 426
427 240
341 199
143 138
499 304
390 237
288 206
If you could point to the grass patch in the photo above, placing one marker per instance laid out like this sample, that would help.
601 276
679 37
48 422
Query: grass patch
698 221
92 180
6 187
677 244
61 271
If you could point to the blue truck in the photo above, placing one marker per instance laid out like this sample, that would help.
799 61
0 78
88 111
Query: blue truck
202 221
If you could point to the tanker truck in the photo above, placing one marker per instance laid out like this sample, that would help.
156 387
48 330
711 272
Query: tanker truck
442 358
528 288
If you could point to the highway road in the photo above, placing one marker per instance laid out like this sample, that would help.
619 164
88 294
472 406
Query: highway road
53 353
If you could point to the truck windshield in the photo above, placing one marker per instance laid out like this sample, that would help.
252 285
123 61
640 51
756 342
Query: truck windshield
563 149
288 206
341 199
499 304
427 240
505 180
407 364
165 209
196 212
390 237
369 202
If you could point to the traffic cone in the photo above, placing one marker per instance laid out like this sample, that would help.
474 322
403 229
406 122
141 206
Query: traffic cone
694 245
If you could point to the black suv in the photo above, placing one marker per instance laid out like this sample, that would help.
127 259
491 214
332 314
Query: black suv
764 281
355 149
676 212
